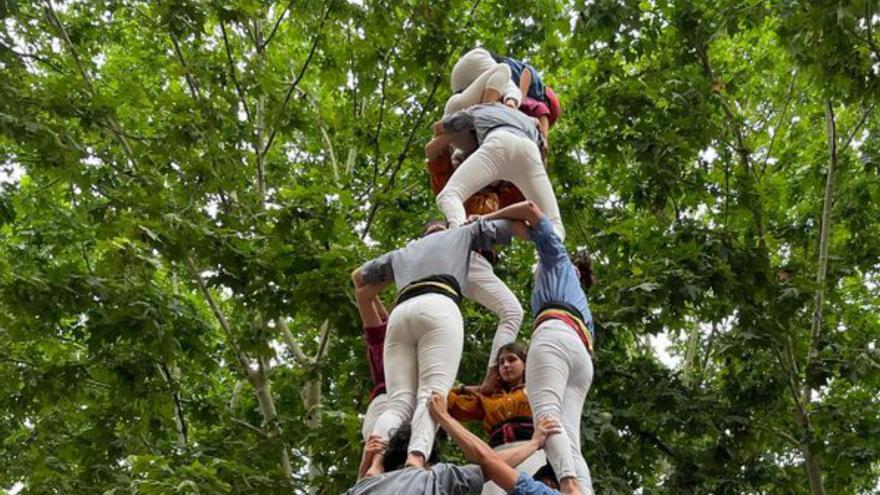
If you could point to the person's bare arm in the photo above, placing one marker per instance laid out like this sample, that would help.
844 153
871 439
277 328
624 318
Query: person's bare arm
366 293
525 80
544 127
370 314
437 146
524 211
491 382
375 445
519 228
380 309
515 456
476 450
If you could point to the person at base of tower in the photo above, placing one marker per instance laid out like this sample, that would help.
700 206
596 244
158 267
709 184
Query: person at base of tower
425 330
509 150
374 319
494 466
505 411
439 477
560 367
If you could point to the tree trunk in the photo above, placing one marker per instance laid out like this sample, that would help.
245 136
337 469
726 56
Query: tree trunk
267 408
813 461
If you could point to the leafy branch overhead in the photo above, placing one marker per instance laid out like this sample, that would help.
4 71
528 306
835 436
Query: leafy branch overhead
186 186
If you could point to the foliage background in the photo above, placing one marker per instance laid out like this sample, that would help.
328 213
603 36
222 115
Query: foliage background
187 184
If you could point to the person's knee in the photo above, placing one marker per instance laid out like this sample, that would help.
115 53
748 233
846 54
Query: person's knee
499 78
402 405
448 194
551 411
513 313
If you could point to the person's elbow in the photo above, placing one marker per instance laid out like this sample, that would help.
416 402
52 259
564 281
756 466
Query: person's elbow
356 278
534 213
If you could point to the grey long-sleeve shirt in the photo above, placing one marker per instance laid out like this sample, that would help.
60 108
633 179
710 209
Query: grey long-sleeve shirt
440 479
485 119
442 253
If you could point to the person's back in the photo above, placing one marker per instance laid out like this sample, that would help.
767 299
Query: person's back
438 479
442 253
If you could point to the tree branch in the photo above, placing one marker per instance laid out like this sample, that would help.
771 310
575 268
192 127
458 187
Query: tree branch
322 347
302 73
52 17
112 122
869 21
179 418
298 354
781 120
858 126
231 68
250 427
275 26
824 236
401 157
221 319
187 73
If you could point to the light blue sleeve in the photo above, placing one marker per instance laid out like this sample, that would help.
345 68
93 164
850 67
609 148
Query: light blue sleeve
550 248
526 485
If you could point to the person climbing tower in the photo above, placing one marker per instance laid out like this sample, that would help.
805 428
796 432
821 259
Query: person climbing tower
504 410
425 330
509 149
538 99
478 78
559 367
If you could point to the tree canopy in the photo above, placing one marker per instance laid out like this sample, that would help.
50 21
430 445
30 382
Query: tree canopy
187 184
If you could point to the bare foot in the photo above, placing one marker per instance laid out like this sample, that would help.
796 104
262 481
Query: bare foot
376 468
490 95
415 459
570 486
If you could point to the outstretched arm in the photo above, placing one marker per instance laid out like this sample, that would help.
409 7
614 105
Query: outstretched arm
515 456
524 211
496 466
476 450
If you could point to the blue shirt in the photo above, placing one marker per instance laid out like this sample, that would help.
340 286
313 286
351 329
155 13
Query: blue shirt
517 67
557 278
526 485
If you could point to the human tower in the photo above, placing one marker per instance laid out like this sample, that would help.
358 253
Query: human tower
487 167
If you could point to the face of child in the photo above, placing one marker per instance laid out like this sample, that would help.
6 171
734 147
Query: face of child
511 368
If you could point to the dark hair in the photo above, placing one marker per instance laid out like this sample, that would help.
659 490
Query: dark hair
518 348
431 224
398 447
547 476
584 263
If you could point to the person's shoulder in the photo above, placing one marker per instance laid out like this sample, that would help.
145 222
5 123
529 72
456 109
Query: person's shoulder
468 471
526 485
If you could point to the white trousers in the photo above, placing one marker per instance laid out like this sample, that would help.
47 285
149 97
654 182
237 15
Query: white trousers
486 289
531 466
422 352
374 410
474 73
502 156
559 372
